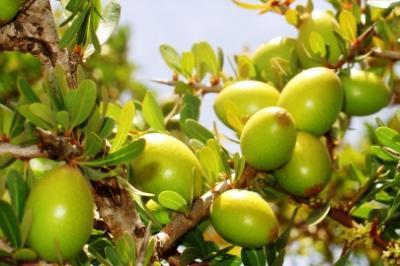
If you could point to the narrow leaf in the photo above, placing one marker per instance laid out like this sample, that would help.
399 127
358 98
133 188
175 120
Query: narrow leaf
124 125
173 201
9 224
152 112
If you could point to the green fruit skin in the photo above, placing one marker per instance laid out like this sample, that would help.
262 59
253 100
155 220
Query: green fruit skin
365 93
314 98
8 10
249 96
244 218
308 170
280 50
268 138
325 25
166 164
62 210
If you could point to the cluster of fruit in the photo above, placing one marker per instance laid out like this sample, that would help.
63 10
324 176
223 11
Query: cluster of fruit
282 129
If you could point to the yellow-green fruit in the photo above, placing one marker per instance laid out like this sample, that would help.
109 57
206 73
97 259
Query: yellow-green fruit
8 10
320 24
314 98
268 138
247 97
365 93
167 164
244 218
276 60
61 205
308 170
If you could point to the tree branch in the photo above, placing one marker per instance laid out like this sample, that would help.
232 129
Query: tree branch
34 31
202 88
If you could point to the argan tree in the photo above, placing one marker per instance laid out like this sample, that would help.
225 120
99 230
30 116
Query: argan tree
88 180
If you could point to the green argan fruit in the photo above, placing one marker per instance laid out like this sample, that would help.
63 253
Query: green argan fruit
308 170
244 218
247 96
364 93
268 138
276 60
61 205
325 25
8 10
314 98
167 164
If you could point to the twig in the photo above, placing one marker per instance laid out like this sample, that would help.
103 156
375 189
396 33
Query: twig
354 48
181 223
390 55
22 153
34 31
202 88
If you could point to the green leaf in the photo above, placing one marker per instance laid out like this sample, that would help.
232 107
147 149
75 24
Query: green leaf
195 130
80 104
388 137
24 254
25 111
149 251
204 53
74 5
187 64
25 226
245 67
318 215
253 257
279 258
97 249
189 255
112 255
6 119
292 17
72 31
26 90
9 224
173 201
348 25
209 162
393 207
152 112
111 15
382 154
171 57
18 190
93 144
190 108
44 112
317 44
81 259
63 119
94 122
124 126
239 164
107 127
123 155
126 249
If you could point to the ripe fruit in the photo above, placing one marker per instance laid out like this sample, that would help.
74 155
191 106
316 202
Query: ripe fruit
364 93
244 218
61 205
8 10
270 57
308 170
166 164
314 98
268 138
247 96
325 25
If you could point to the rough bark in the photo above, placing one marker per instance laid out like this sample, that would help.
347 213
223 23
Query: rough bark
34 31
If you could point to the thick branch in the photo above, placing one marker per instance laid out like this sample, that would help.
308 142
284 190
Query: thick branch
117 209
22 153
181 223
389 55
34 31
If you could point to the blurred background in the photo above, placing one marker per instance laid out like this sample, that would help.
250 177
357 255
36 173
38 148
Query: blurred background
221 23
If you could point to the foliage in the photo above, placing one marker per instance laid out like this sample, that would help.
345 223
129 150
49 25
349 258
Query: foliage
45 122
